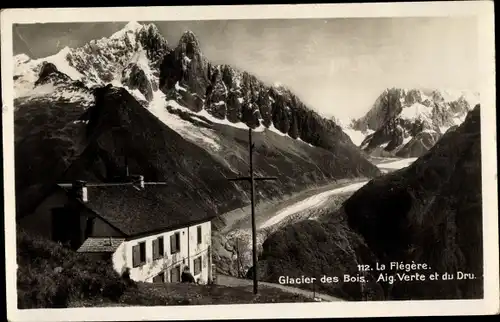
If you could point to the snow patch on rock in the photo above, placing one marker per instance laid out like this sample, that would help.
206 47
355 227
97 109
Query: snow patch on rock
193 133
416 111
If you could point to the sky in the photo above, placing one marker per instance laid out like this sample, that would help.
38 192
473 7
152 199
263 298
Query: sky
337 67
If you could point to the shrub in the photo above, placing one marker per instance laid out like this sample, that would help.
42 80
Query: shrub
40 286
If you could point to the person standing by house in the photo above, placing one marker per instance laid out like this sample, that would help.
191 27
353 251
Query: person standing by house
126 277
186 276
126 274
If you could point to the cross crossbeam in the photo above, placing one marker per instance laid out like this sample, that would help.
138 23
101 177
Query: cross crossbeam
252 180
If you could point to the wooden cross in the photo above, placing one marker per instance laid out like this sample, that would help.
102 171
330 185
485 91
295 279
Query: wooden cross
252 180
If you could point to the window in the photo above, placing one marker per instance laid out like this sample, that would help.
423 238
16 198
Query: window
142 250
175 274
158 248
160 278
197 266
175 243
199 234
139 254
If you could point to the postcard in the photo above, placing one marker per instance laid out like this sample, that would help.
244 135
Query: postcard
258 161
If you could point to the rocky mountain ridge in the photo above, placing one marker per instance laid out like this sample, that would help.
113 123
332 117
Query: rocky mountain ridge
139 59
408 122
210 106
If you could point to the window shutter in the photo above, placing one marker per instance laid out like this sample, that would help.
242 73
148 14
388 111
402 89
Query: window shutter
135 256
155 249
197 265
173 244
199 234
160 278
161 243
142 252
175 273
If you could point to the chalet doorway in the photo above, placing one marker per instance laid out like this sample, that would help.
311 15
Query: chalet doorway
175 274
160 278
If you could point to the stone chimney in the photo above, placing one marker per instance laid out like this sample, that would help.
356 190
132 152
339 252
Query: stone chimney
80 190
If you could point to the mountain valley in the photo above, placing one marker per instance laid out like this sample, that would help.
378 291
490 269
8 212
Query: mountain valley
64 101
429 212
383 188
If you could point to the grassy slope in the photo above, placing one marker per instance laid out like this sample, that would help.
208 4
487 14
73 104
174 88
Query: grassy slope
85 282
39 285
148 294
179 293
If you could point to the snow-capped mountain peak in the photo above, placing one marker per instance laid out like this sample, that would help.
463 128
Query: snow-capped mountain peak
188 36
201 101
131 27
21 58
103 61
27 72
63 52
408 122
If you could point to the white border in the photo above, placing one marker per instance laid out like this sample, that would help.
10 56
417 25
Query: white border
483 9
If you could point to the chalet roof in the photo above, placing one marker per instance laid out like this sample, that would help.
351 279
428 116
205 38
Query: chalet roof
100 245
138 212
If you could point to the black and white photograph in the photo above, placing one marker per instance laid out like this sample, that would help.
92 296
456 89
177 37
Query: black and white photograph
219 158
